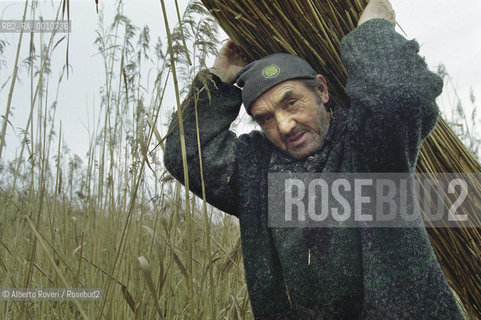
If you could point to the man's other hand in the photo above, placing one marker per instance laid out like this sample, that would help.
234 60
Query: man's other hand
378 9
229 61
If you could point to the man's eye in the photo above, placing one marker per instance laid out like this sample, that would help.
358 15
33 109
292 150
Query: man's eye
265 119
291 103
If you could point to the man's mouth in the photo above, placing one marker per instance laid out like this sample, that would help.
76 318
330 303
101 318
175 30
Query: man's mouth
296 140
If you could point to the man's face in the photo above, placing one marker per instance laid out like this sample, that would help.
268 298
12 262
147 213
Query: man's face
293 117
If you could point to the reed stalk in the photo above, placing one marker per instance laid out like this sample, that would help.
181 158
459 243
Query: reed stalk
190 280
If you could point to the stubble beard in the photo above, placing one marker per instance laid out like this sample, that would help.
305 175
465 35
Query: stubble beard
316 140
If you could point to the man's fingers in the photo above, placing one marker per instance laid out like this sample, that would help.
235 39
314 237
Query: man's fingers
378 9
229 61
234 50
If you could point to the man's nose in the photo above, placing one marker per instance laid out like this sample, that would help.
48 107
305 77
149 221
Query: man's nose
285 123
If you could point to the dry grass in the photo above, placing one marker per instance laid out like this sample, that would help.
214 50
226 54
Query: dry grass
77 250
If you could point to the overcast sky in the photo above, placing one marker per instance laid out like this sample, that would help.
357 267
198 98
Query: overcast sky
449 32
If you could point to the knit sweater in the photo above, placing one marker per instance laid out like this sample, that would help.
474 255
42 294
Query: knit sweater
365 273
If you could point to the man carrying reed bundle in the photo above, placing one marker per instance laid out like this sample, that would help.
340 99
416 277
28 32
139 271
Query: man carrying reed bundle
324 273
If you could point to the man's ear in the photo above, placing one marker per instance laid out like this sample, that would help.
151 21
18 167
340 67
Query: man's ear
323 88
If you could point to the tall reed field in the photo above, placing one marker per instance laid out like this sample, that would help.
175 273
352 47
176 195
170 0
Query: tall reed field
114 219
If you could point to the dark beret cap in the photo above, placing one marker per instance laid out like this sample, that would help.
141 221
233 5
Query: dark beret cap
259 76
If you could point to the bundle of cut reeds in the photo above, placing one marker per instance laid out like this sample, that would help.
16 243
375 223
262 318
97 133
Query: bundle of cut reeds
313 30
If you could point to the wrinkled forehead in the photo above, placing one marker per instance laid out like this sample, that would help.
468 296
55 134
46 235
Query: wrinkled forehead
277 95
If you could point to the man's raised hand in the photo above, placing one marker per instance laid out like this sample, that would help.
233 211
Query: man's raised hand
378 9
229 61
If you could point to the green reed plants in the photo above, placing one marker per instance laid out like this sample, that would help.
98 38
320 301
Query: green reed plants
115 219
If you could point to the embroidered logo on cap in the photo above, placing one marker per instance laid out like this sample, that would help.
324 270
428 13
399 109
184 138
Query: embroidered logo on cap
271 71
